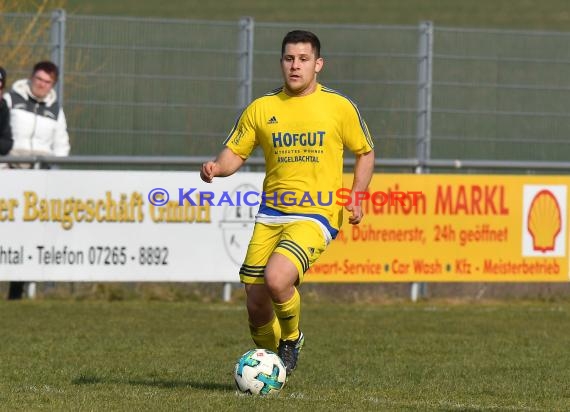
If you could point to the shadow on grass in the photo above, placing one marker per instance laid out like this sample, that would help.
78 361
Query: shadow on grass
90 379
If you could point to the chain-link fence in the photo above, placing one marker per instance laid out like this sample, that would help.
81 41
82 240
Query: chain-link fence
138 86
501 95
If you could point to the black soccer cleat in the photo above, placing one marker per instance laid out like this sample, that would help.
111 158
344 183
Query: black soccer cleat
289 352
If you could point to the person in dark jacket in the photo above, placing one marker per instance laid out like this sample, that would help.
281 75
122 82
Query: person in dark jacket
6 141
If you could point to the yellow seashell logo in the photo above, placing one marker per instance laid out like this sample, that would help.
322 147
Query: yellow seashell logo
544 221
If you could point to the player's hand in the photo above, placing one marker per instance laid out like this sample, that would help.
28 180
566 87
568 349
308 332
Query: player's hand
207 171
356 214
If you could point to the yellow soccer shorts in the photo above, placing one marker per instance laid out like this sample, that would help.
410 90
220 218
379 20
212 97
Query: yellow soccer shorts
302 242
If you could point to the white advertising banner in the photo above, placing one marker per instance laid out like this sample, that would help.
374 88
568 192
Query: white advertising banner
61 225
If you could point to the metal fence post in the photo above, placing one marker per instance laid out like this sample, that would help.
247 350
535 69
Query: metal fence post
245 86
425 58
423 130
57 44
245 66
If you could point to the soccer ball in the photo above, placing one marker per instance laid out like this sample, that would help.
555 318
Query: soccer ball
260 372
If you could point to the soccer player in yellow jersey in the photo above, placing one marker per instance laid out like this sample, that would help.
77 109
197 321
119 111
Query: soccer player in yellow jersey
302 128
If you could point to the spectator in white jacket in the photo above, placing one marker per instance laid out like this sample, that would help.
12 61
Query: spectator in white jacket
38 124
36 117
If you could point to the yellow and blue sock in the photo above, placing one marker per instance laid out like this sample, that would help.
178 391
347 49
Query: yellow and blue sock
288 315
266 336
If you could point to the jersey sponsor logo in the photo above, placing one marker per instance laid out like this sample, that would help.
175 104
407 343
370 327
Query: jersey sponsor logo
298 159
308 139
273 120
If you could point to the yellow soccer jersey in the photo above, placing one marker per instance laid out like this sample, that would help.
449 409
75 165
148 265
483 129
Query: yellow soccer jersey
303 140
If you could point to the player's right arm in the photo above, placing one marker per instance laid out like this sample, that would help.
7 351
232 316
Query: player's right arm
226 164
239 144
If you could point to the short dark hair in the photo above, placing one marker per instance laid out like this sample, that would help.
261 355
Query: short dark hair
48 67
3 77
302 36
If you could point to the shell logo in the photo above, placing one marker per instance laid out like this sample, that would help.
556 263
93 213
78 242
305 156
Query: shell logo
544 221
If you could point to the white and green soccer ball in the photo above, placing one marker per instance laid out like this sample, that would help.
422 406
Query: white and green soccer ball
260 372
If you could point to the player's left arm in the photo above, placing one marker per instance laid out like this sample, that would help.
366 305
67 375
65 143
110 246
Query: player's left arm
357 138
363 170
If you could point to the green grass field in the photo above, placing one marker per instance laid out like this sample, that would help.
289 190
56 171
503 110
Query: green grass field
161 356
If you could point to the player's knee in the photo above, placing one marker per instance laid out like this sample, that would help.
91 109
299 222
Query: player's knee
273 286
260 312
